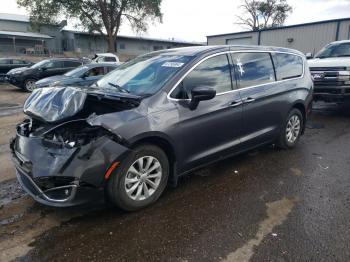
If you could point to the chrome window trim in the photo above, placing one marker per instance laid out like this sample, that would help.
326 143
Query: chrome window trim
238 89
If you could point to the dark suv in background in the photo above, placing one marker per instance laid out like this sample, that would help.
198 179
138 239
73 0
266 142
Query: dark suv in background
25 78
157 117
7 64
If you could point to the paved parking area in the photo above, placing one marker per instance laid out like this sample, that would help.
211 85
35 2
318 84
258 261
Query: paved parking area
265 205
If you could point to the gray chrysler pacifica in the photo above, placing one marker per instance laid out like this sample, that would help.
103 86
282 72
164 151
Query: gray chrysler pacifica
156 118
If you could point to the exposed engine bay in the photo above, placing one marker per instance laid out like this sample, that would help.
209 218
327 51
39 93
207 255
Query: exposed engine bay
75 133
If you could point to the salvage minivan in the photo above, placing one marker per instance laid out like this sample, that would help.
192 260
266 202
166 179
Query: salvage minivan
157 117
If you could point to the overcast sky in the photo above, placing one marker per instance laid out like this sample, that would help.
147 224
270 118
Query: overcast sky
193 20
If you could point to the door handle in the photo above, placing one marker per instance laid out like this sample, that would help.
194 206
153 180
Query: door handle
235 103
248 100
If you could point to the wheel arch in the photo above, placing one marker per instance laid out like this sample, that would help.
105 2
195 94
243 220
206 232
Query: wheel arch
26 79
301 107
164 143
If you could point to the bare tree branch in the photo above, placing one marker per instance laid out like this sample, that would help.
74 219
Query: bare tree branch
259 14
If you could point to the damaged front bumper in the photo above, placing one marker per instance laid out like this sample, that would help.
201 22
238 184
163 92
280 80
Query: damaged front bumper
61 175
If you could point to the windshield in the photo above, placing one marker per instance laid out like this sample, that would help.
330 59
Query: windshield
40 64
334 50
144 75
77 72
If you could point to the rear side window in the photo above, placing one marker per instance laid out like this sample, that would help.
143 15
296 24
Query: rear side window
213 72
18 62
5 61
72 63
253 68
288 66
110 59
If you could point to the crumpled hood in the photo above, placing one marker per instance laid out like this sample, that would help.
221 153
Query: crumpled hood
329 62
56 104
49 80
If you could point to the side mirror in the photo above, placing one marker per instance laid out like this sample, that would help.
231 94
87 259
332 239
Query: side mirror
43 69
200 94
309 56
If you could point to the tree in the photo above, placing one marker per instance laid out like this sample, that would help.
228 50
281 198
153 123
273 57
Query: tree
102 16
260 14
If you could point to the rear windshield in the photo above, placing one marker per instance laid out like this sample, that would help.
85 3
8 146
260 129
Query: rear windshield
144 75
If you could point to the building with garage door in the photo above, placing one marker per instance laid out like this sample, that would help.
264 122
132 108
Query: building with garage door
307 38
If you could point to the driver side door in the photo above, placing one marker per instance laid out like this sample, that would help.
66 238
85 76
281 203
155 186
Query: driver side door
213 129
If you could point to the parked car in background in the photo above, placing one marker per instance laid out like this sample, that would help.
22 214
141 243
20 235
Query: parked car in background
156 118
106 58
25 78
7 64
84 75
331 72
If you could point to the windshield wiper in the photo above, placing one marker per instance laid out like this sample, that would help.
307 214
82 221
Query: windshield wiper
121 89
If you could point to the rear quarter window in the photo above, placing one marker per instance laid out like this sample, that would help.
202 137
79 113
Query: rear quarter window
253 69
288 66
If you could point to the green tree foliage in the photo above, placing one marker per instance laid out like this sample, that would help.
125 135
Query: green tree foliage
103 16
259 14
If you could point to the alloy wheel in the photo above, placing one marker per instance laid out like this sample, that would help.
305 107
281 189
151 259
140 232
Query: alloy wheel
143 178
293 129
30 85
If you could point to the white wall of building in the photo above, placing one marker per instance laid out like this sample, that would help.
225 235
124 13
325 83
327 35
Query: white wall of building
305 38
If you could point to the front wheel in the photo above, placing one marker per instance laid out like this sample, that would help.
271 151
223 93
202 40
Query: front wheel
140 180
291 130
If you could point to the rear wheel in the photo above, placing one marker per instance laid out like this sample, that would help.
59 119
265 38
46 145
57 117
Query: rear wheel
292 129
29 85
140 180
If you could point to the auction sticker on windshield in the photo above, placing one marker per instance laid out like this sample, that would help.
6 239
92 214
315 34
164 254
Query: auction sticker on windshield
172 64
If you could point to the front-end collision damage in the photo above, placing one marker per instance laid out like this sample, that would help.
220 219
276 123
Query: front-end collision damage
58 163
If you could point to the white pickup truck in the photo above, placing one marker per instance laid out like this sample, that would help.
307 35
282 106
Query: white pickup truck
331 72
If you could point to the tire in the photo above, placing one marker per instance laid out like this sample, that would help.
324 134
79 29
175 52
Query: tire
291 130
124 178
29 85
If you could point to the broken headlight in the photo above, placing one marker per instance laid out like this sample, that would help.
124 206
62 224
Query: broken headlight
74 134
77 134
